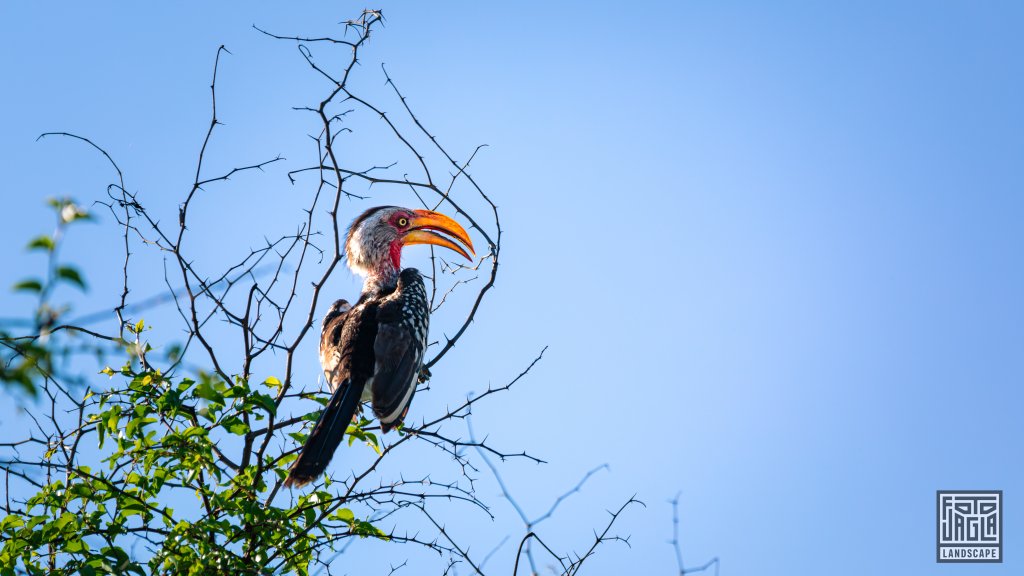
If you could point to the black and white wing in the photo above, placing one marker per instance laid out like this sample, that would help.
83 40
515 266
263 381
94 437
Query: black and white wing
403 320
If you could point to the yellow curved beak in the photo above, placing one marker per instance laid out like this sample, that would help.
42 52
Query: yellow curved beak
424 228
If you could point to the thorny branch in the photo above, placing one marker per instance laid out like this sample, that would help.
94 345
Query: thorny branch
529 524
678 549
570 565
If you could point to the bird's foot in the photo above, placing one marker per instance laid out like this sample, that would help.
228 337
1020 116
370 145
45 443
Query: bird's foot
424 375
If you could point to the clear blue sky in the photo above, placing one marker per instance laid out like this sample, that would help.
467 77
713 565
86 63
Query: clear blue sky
775 248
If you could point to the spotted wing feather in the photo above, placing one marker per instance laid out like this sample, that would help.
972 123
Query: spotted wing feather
402 325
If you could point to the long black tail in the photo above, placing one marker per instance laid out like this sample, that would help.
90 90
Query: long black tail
326 435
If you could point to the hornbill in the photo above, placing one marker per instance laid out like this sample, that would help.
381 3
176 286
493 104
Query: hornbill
373 351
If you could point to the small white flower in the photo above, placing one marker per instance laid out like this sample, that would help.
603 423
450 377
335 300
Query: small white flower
69 212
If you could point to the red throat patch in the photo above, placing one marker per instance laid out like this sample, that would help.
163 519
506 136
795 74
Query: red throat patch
396 254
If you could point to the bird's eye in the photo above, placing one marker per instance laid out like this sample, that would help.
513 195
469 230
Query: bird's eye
403 222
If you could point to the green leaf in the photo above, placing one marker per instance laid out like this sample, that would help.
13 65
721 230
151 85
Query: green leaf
174 352
69 212
72 275
263 401
194 431
365 529
206 391
235 425
206 413
36 521
31 285
42 242
11 521
137 424
76 546
133 509
65 519
113 419
371 440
